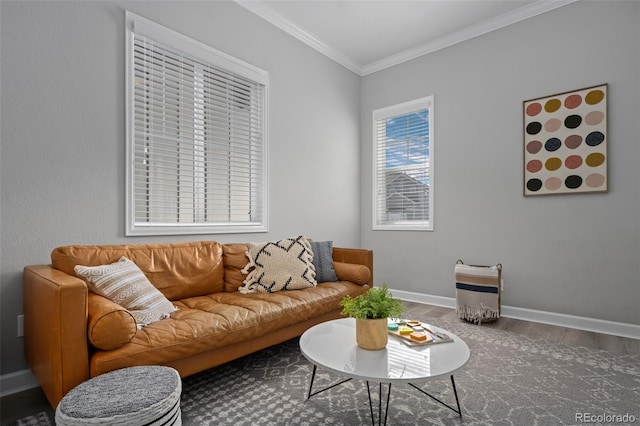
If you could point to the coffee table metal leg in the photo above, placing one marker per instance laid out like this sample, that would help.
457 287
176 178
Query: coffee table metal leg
386 410
313 376
373 423
455 392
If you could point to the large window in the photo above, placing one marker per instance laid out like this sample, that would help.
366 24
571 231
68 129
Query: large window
196 136
402 166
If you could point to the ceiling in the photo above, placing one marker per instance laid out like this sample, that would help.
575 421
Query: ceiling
366 36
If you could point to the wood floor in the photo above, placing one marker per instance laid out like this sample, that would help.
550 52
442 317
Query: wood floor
18 405
22 404
570 336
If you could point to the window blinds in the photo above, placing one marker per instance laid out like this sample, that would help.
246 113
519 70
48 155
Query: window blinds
198 140
402 166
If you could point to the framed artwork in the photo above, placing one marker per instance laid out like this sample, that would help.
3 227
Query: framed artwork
565 142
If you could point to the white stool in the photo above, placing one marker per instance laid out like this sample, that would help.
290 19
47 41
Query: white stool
148 395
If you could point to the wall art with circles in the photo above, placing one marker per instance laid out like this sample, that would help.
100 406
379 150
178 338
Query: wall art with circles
565 142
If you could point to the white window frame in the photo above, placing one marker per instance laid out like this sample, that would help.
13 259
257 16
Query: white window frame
378 190
139 26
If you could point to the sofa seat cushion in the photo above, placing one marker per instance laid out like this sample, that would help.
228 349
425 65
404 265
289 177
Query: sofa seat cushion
217 320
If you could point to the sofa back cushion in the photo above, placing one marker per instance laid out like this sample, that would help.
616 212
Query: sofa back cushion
235 259
178 270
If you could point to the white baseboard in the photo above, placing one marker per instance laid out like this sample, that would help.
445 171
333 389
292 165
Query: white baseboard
17 381
24 379
571 321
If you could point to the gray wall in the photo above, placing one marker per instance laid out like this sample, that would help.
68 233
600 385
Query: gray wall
63 132
62 149
569 254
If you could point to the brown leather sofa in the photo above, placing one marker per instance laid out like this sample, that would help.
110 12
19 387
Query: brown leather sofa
72 334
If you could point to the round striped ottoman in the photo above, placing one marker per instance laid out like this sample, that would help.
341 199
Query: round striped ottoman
148 395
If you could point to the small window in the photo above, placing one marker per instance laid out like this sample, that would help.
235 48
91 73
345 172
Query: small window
402 166
196 136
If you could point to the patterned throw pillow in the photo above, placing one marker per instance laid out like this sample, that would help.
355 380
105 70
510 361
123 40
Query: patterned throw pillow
125 284
279 265
323 261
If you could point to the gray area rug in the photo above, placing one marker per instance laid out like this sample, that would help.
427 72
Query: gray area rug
510 379
45 418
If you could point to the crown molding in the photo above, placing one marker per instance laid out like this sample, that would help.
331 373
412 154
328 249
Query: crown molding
468 33
272 16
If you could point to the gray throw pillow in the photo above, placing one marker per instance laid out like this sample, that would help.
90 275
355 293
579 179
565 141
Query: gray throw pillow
323 261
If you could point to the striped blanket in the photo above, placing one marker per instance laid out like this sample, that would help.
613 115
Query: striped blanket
477 292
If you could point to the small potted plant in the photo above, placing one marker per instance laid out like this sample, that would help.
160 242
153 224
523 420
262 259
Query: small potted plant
371 311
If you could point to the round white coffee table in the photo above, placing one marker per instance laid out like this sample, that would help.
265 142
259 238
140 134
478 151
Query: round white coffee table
332 346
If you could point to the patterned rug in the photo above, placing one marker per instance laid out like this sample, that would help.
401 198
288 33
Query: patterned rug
510 379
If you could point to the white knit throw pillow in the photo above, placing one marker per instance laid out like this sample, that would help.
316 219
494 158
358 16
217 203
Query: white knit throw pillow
279 265
125 284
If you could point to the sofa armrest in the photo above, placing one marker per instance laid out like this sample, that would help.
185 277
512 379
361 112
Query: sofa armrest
356 256
55 329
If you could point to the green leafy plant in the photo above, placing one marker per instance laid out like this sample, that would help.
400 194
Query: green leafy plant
375 303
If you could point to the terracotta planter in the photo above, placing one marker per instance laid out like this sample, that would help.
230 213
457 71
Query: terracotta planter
372 334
